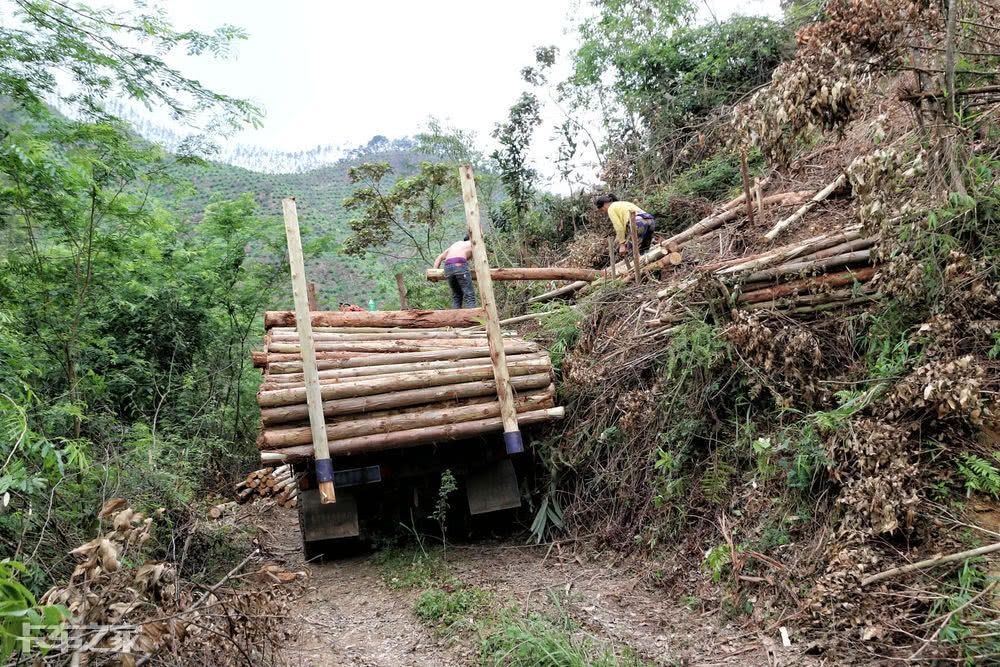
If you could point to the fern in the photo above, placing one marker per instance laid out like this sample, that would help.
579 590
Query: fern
981 475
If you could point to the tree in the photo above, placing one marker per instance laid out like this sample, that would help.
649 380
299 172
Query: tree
402 220
513 161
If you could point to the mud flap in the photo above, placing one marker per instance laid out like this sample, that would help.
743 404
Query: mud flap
328 522
494 488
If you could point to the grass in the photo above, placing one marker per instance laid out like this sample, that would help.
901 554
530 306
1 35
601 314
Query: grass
402 568
538 640
453 609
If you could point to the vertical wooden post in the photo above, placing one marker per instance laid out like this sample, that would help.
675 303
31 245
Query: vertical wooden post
634 231
312 296
613 258
747 195
760 199
303 322
401 286
494 337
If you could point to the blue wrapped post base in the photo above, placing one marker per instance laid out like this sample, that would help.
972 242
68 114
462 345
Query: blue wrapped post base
324 470
512 439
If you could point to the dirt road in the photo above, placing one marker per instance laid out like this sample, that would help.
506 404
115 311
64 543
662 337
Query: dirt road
351 615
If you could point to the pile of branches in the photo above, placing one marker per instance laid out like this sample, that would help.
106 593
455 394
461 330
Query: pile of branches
128 610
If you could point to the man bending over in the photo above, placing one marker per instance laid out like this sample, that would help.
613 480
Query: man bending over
619 213
456 270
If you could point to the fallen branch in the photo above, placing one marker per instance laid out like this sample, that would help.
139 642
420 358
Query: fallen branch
930 562
799 214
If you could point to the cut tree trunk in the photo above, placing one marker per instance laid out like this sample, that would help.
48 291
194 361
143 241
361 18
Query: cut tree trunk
397 382
543 273
292 364
833 280
416 319
423 436
399 399
781 225
811 265
278 439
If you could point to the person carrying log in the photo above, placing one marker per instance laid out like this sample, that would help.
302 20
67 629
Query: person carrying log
456 271
619 213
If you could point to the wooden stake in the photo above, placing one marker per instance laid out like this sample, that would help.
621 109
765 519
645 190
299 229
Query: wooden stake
508 411
401 286
321 450
634 232
745 173
312 297
612 258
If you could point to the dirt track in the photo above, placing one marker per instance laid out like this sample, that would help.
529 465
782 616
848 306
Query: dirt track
349 616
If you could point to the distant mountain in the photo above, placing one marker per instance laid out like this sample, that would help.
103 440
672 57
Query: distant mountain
318 194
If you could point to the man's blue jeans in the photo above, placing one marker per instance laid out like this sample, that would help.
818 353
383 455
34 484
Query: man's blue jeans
463 294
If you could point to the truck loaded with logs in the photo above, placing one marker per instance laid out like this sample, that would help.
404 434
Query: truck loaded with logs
405 395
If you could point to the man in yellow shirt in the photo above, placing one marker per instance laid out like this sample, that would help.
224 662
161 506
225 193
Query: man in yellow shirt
619 212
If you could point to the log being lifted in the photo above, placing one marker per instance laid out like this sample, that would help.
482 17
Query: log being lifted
545 273
422 436
417 319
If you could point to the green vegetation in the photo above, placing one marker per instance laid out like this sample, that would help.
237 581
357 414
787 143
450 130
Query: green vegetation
408 568
452 610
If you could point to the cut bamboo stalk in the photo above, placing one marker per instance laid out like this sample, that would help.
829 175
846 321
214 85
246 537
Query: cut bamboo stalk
812 265
342 360
781 225
399 399
417 319
381 425
369 386
543 273
508 411
832 280
292 379
321 454
421 436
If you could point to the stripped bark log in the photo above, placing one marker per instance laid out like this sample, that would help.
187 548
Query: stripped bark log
379 347
422 436
397 382
288 437
811 265
399 399
291 363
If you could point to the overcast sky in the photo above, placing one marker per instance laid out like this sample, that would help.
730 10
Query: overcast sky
340 72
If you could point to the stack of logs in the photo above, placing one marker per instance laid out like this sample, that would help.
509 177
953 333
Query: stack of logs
279 483
388 387
827 271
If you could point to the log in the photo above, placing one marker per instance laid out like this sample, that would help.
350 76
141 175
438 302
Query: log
811 265
324 471
292 379
542 273
940 559
287 437
786 253
417 319
612 259
806 299
369 386
536 361
781 225
284 364
422 436
501 371
379 347
633 231
832 280
716 220
399 399
283 334
841 249
366 330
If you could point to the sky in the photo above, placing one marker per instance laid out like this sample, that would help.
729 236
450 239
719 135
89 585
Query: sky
339 72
